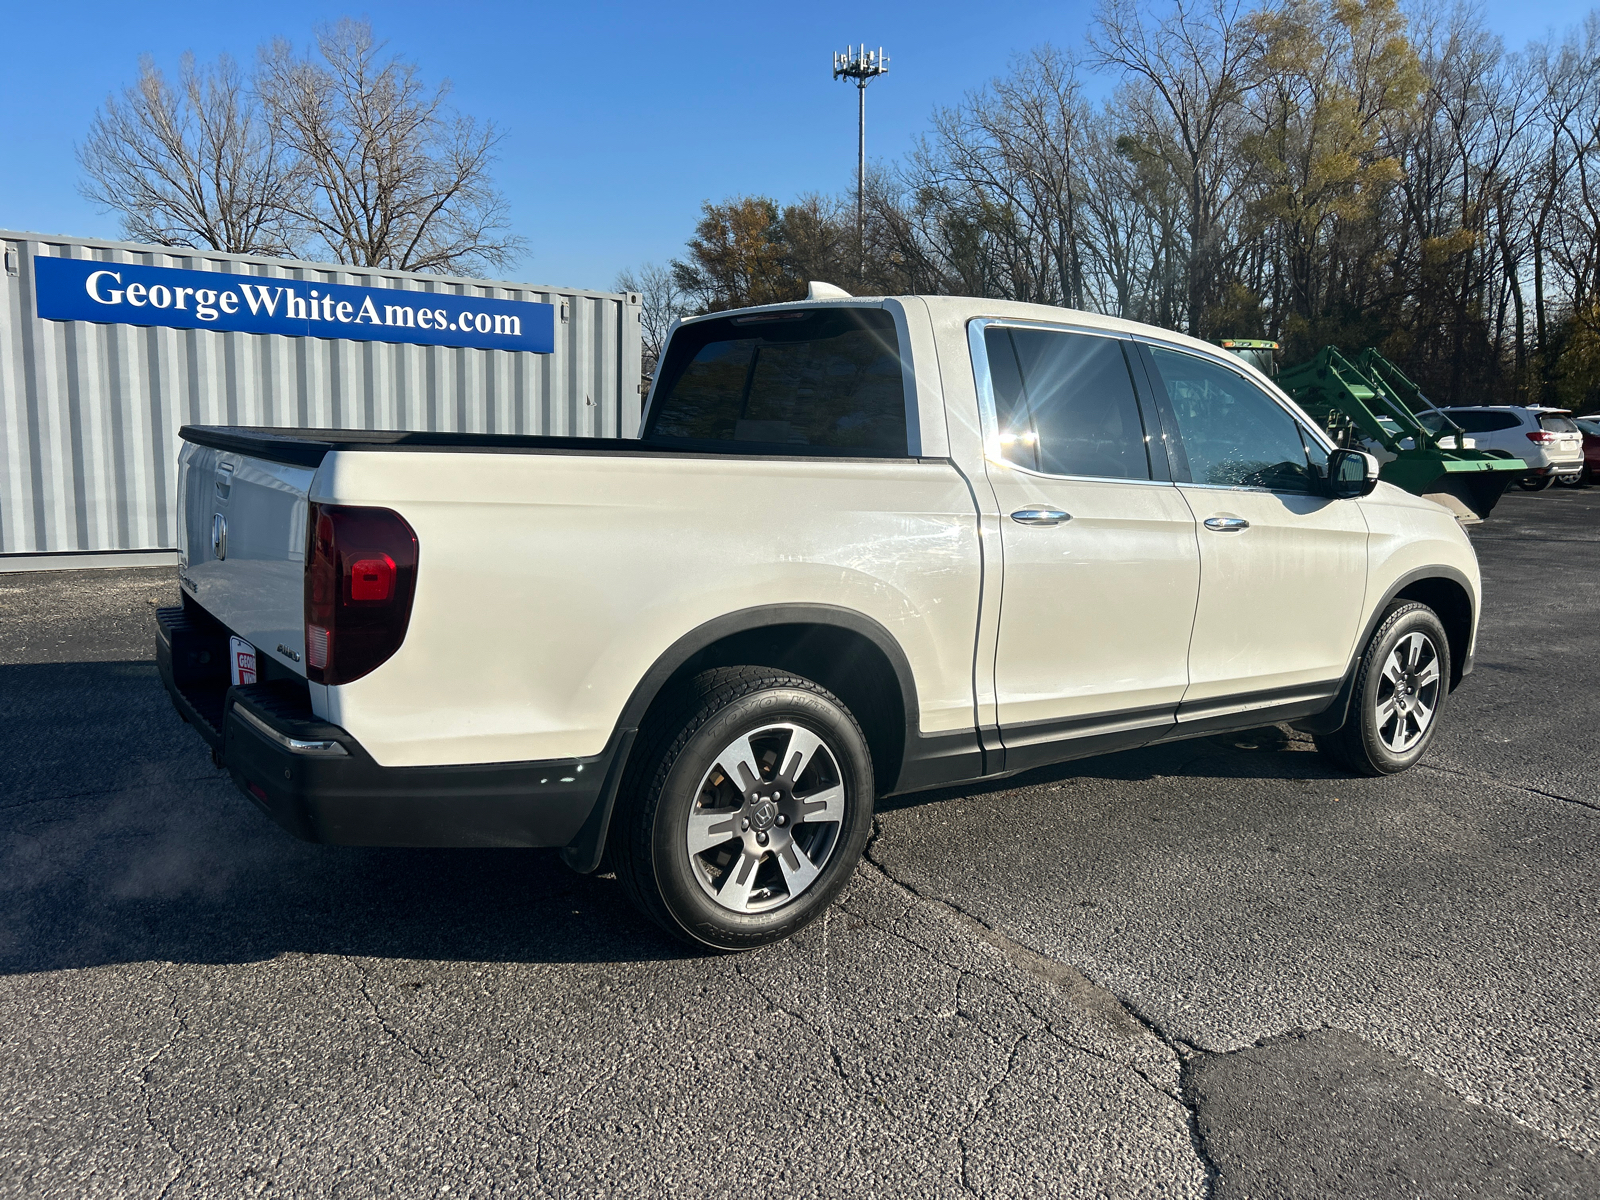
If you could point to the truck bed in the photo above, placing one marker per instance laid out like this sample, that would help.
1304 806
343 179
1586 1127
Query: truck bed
625 546
308 447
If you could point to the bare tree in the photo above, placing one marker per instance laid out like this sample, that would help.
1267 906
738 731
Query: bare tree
1007 157
905 252
1348 172
1192 71
395 177
1132 218
195 165
663 303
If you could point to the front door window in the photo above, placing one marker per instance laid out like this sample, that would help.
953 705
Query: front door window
1232 432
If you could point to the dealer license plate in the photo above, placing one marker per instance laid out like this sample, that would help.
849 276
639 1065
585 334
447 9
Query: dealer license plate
242 661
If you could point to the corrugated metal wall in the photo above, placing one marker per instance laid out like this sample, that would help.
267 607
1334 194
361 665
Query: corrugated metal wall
89 413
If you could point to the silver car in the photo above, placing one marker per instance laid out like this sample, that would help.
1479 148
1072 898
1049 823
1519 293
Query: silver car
1544 438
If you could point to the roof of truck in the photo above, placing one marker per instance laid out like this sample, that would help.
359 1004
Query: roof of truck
966 308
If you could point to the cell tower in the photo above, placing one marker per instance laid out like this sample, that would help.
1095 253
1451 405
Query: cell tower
863 66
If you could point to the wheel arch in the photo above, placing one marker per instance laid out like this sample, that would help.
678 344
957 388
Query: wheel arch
850 654
1442 588
1449 597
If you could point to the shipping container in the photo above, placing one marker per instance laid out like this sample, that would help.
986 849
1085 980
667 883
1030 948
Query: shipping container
103 359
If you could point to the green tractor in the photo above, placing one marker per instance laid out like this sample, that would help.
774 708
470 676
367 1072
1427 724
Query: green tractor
1370 405
1258 353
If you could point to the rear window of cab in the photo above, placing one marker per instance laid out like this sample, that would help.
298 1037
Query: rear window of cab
816 382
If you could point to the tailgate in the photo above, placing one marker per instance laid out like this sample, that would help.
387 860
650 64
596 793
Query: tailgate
242 546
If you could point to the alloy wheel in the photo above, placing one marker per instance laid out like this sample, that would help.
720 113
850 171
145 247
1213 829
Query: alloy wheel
766 818
1408 692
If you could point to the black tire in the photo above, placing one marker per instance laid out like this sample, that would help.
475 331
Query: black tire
669 779
1366 744
1535 483
1572 481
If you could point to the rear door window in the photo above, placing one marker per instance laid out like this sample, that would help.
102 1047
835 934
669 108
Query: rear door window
1477 420
807 381
1064 403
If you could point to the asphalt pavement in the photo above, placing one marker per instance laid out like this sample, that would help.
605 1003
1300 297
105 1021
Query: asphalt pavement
1218 967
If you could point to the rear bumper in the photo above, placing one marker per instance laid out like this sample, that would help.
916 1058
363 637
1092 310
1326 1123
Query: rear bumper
320 784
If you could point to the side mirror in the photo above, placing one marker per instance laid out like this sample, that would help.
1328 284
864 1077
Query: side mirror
1351 473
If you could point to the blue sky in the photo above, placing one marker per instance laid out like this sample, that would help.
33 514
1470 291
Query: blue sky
620 118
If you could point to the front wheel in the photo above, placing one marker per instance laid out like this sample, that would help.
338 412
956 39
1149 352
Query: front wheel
1401 686
745 810
1572 481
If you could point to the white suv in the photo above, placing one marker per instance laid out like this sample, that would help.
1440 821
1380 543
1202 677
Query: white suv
1544 438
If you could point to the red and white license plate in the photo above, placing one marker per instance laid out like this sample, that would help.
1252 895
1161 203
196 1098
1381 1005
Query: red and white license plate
241 661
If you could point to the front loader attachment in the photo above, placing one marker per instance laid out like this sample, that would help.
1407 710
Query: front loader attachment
1361 407
1467 482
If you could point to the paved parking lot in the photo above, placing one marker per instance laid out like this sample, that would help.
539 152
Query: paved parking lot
1214 967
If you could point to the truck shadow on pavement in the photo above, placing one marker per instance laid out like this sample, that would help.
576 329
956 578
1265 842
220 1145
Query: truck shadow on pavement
120 842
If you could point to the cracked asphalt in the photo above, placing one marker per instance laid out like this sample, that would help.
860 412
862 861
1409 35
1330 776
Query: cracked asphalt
1217 967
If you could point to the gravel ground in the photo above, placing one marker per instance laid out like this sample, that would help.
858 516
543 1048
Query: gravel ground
1213 968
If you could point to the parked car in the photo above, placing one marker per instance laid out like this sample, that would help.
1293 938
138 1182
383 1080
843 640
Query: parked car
1590 428
1544 438
861 547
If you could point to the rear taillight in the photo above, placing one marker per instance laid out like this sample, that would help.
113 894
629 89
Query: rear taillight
1543 437
361 573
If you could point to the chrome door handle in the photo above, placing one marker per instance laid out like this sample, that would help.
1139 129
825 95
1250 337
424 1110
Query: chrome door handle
1227 524
1040 516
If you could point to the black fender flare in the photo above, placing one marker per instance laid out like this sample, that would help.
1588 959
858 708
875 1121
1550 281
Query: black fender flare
583 853
1332 717
768 616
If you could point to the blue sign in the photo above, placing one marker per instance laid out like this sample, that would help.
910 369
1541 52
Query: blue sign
75 289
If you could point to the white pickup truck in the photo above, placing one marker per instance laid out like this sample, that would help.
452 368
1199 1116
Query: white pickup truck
862 547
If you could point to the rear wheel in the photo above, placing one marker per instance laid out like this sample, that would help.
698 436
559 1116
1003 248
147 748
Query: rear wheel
1572 481
1535 483
1401 687
747 806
